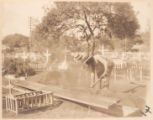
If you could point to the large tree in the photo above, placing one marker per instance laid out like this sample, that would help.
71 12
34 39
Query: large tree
88 22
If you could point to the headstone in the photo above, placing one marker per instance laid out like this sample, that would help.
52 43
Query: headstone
10 88
47 55
63 65
24 56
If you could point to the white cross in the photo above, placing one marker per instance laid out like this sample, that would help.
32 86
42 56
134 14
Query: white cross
24 56
47 54
140 55
10 87
33 56
64 64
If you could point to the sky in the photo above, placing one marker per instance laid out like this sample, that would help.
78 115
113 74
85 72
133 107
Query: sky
16 13
142 10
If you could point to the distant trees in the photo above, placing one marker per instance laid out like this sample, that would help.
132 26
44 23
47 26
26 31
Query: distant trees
123 22
17 67
16 41
89 23
146 37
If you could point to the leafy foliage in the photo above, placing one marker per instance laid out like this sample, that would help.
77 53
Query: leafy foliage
17 67
16 41
123 23
86 22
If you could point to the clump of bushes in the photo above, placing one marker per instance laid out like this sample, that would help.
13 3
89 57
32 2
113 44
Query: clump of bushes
18 67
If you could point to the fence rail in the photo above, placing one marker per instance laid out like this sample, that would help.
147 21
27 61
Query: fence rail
28 101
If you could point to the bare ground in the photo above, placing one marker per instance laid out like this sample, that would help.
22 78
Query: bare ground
73 80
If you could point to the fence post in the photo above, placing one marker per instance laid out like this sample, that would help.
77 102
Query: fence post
13 104
46 101
131 78
114 74
141 73
51 98
6 103
16 105
39 101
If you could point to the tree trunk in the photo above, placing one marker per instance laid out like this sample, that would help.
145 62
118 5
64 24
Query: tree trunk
92 38
91 32
93 47
88 49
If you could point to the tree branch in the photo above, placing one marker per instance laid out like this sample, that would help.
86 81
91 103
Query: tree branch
88 25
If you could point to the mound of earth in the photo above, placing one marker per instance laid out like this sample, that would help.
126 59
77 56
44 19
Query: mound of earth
74 77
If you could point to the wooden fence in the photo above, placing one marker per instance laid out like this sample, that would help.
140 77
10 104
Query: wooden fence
28 101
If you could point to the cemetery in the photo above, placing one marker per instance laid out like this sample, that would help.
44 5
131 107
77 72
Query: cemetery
41 95
82 60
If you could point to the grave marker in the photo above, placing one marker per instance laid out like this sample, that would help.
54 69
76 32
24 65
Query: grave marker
47 55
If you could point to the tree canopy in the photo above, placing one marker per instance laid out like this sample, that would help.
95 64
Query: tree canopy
16 40
89 23
17 67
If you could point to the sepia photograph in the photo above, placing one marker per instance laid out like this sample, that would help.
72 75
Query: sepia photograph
75 59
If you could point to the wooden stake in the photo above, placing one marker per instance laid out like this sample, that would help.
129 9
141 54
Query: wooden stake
130 75
12 101
31 102
51 98
38 100
10 104
115 74
6 102
46 101
16 105
141 74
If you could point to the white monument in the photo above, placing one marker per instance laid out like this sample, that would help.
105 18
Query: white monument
47 55
24 56
64 65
